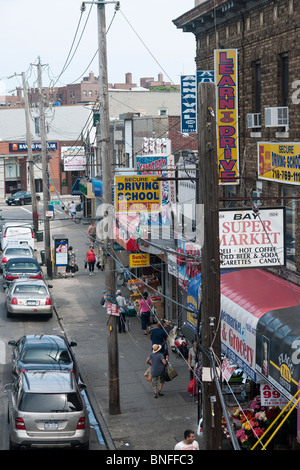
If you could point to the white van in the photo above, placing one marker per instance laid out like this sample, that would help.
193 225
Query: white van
16 233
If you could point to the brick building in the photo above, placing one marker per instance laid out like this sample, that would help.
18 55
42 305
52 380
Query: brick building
266 36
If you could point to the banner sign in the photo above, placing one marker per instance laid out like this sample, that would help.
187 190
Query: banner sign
269 396
279 162
188 87
112 309
156 146
137 194
36 147
74 158
139 260
226 73
155 165
249 239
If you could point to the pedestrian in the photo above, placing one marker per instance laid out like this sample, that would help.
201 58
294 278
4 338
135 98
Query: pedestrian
189 442
92 232
72 210
71 266
159 336
101 258
145 307
122 312
193 358
90 258
157 362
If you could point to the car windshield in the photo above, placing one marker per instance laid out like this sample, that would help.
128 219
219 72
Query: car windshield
50 402
22 267
17 252
32 289
46 355
18 194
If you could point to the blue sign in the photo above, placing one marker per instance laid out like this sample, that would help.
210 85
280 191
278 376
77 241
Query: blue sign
205 76
97 187
188 88
36 146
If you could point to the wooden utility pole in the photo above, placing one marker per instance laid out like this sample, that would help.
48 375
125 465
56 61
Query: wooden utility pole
46 194
35 220
110 286
210 263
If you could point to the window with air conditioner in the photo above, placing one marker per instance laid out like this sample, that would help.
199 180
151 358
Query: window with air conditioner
277 117
254 120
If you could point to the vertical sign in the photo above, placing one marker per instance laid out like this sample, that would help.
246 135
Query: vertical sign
226 73
188 104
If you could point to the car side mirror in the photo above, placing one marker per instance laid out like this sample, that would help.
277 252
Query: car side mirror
12 342
81 386
72 344
50 286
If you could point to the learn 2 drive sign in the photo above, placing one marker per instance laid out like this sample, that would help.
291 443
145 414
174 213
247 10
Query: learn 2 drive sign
226 76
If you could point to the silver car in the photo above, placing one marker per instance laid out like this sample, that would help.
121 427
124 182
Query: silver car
14 250
47 409
28 296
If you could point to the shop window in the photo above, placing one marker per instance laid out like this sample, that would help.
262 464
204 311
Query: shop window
290 223
12 168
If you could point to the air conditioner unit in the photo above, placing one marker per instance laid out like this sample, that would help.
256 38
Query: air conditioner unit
254 120
277 117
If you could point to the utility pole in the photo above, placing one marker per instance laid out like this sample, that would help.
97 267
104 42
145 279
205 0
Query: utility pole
45 173
35 219
112 324
210 265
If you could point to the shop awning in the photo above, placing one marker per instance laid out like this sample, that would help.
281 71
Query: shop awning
249 299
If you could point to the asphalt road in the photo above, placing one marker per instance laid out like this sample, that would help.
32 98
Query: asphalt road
14 328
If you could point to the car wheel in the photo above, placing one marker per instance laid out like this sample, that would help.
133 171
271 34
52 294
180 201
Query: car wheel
8 203
9 314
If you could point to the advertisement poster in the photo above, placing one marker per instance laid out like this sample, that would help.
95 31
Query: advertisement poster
249 239
226 75
61 252
137 194
279 162
269 396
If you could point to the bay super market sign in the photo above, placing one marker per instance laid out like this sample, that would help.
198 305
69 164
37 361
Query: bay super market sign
249 239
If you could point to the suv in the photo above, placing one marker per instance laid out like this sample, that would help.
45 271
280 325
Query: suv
46 409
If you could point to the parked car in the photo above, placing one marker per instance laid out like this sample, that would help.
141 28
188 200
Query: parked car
21 198
15 250
28 297
43 352
16 232
21 268
47 409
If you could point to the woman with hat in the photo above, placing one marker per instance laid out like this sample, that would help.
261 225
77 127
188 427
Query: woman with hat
157 362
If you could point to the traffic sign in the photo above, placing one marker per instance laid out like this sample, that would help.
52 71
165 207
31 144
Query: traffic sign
55 203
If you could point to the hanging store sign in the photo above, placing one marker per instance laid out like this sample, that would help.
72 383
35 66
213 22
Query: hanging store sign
270 396
226 73
139 260
279 162
188 88
156 147
74 158
137 194
249 239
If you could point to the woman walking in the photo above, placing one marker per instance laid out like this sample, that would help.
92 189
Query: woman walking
145 307
90 258
70 268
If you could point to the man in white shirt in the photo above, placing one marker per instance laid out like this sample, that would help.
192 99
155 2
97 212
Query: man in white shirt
188 443
72 210
122 311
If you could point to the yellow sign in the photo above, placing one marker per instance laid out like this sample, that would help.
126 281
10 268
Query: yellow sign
137 194
226 73
139 260
279 162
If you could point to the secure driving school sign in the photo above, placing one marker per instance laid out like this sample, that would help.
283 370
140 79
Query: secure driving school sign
279 162
226 76
137 194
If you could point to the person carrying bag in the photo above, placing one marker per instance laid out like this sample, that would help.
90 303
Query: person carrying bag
169 373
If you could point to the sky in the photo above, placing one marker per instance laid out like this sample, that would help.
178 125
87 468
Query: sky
141 39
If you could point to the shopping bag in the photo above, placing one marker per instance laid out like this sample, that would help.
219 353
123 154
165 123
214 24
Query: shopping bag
76 267
169 373
192 388
85 265
148 375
